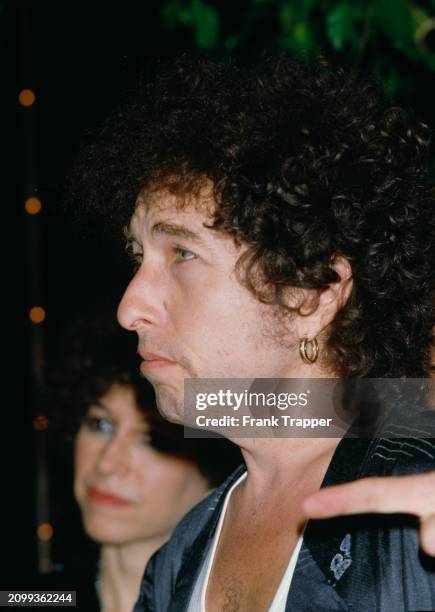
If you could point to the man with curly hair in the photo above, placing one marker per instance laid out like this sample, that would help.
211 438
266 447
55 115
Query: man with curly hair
282 227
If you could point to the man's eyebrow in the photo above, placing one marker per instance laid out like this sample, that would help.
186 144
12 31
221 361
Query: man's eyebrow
173 229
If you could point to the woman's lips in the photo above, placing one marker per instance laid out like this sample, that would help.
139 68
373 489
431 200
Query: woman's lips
106 499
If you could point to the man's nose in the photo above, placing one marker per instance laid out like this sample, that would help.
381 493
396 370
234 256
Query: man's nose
142 301
114 457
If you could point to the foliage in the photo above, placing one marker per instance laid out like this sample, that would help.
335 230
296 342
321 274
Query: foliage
391 39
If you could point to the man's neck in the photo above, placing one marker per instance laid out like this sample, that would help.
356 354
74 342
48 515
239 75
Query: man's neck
289 461
276 465
121 571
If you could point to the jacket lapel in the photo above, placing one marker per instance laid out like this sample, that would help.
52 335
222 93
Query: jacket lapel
194 556
326 553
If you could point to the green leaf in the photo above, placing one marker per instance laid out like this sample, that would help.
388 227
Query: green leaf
206 23
396 20
302 35
291 13
285 15
340 24
392 82
296 30
185 16
170 14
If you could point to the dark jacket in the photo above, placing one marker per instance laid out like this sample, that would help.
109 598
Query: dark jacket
362 563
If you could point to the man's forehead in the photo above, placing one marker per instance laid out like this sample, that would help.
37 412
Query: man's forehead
192 222
164 210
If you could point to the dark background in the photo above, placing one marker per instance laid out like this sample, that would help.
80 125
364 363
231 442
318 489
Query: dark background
82 59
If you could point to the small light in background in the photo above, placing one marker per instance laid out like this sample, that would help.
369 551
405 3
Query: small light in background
40 423
45 531
26 97
37 314
33 206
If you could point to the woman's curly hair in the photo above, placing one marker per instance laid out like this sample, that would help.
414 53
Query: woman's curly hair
93 355
306 165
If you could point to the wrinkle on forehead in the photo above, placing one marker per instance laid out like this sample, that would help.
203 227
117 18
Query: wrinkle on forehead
152 202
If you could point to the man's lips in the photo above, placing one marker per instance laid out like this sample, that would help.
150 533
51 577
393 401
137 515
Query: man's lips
152 360
105 498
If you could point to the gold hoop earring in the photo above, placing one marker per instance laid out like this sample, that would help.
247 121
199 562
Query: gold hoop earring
311 355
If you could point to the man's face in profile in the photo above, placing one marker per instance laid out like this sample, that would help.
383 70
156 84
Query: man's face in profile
192 316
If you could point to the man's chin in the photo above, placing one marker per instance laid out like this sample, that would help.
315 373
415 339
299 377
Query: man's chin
170 408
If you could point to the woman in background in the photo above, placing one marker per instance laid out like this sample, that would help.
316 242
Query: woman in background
135 475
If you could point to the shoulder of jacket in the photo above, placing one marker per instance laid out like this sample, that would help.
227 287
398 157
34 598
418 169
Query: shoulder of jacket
406 444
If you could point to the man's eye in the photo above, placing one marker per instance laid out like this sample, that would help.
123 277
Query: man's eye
184 254
136 260
99 424
134 256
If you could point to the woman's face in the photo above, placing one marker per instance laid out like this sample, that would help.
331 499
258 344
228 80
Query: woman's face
128 491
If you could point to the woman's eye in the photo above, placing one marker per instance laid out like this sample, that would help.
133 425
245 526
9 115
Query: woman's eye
99 424
184 254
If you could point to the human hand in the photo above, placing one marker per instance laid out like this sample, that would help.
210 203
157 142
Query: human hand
413 494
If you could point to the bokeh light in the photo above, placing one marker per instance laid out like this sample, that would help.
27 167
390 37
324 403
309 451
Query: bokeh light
37 314
40 423
33 206
45 531
26 97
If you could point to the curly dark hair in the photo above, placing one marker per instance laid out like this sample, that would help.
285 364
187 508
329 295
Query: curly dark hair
306 164
93 354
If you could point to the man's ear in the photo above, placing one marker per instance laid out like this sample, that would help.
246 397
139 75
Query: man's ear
339 292
329 302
